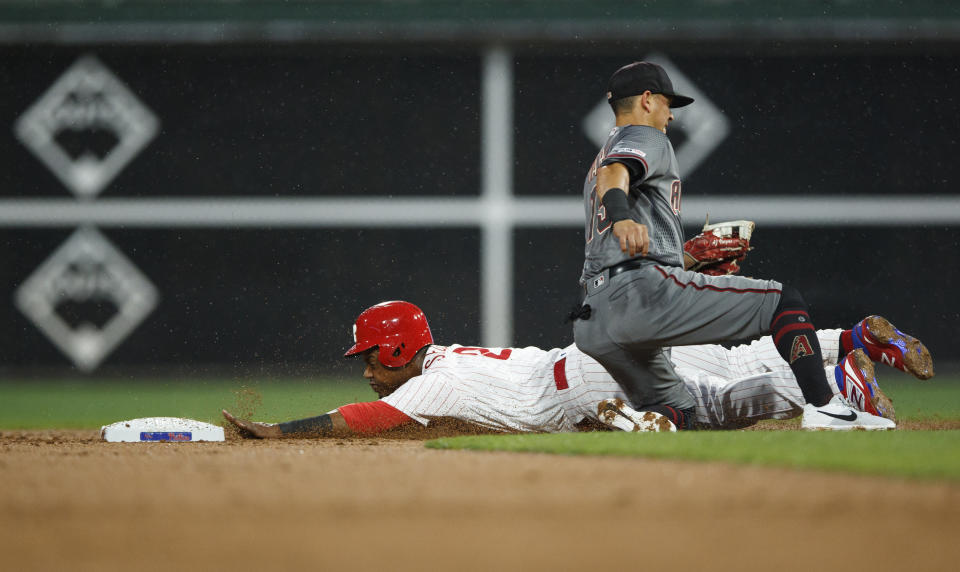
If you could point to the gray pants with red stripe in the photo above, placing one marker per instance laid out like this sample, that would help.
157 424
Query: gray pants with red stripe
637 314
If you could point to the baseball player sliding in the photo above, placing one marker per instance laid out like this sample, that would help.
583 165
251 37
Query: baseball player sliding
559 390
642 295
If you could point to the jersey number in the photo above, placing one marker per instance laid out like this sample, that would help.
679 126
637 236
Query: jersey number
599 223
675 197
504 353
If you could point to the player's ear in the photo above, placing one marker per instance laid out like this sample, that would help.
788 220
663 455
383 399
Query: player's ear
645 103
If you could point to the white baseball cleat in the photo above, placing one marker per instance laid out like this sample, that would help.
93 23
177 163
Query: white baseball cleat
616 414
839 415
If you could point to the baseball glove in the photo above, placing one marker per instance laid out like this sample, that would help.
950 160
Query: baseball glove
719 249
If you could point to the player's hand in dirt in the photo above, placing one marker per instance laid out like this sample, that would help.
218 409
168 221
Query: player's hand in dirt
253 428
633 236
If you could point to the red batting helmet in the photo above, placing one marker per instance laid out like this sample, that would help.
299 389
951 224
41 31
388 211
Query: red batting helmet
399 328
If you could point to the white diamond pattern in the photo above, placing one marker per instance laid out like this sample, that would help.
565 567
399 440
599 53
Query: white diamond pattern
85 98
703 124
87 267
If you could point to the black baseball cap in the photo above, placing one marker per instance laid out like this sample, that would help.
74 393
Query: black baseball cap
638 77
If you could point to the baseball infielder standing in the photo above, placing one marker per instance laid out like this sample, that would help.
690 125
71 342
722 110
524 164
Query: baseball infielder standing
640 299
535 390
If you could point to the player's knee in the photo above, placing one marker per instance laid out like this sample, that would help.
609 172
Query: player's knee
586 340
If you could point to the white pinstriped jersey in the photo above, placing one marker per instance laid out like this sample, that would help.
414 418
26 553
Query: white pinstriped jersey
508 389
739 386
535 390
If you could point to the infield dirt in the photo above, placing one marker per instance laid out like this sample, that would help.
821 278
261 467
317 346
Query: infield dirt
71 502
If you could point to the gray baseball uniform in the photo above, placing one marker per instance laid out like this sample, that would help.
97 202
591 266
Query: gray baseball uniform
642 304
653 197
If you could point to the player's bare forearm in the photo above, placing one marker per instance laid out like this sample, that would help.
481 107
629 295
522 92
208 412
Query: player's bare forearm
612 176
632 235
326 425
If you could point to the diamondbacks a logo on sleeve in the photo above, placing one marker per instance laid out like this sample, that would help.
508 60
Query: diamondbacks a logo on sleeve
800 348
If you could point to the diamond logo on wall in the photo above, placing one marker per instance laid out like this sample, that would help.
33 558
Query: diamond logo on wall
700 127
86 127
87 298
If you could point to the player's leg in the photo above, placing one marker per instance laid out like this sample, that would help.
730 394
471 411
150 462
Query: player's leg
736 387
880 339
758 357
650 383
739 386
760 380
721 401
595 397
659 305
666 306
733 403
644 373
862 389
656 305
630 312
796 341
793 335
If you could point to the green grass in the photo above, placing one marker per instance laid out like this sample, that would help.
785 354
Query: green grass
914 454
80 403
90 403
935 398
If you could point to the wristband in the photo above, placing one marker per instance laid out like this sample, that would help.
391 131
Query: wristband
615 203
321 425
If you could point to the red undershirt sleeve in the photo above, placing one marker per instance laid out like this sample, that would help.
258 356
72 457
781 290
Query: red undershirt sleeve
372 417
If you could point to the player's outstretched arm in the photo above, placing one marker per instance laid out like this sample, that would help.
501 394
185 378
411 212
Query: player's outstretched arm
326 425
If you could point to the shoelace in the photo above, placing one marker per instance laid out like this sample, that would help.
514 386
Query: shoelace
846 402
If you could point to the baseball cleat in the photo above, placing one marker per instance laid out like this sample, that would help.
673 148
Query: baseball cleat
857 382
616 414
839 415
883 342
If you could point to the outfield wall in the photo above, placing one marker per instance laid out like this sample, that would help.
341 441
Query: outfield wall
234 204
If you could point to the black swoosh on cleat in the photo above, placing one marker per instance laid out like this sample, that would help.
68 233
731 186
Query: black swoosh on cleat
850 416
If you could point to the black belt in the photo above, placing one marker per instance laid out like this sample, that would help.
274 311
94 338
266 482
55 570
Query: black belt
628 265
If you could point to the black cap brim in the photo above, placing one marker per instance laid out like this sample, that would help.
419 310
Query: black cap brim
679 101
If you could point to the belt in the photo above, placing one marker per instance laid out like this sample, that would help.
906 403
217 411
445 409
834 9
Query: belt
628 265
